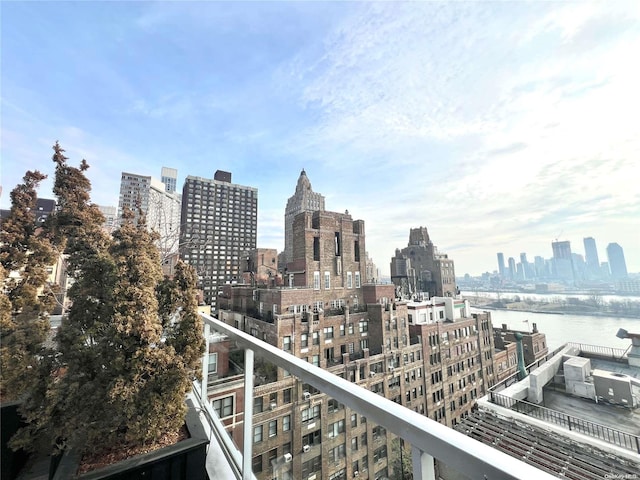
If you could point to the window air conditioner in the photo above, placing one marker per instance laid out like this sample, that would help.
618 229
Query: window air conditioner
287 457
356 473
372 374
306 448
306 395
273 406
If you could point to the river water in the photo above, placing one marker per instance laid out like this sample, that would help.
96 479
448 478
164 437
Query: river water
560 329
551 297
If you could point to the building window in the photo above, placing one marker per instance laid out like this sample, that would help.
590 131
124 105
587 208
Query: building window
380 453
316 249
273 428
286 423
257 405
333 406
336 428
328 333
337 453
257 434
310 414
273 454
256 464
316 338
327 280
339 475
314 438
223 406
311 466
304 340
356 251
286 395
357 279
316 280
364 326
286 344
349 280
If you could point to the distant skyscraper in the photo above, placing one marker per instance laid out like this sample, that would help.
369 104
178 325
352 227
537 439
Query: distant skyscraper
520 272
591 256
218 229
562 261
142 193
303 200
512 268
617 263
169 178
501 266
527 271
539 264
110 217
579 267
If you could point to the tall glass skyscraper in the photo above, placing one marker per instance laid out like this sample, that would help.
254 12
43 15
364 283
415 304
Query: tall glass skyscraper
501 267
591 256
617 263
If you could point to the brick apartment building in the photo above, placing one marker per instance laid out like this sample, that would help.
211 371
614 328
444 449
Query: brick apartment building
434 356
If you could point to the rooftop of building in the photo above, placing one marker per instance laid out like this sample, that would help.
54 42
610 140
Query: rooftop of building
576 414
547 450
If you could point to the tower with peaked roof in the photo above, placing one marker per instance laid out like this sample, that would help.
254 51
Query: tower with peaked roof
303 200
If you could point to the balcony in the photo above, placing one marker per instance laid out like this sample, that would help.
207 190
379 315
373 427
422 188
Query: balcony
429 439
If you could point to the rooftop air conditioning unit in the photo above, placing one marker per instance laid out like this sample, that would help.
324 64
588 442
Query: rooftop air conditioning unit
273 406
306 448
287 457
306 395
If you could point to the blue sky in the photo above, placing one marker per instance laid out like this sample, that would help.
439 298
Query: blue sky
500 126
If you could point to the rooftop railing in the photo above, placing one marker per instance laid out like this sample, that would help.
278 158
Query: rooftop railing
600 351
576 424
429 439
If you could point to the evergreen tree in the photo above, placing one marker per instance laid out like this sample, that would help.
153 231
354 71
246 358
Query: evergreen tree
130 343
25 303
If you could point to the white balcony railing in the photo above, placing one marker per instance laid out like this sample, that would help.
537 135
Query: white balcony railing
429 439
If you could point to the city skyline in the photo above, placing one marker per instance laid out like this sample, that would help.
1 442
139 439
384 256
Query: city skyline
475 120
562 250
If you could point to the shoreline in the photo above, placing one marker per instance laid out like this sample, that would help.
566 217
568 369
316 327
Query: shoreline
555 312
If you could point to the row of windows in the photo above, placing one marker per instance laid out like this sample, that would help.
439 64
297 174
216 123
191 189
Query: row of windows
327 280
328 334
258 402
414 393
271 428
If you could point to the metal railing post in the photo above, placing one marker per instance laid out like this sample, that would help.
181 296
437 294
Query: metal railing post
205 363
423 466
247 448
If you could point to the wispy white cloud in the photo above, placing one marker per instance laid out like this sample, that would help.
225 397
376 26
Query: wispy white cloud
499 126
